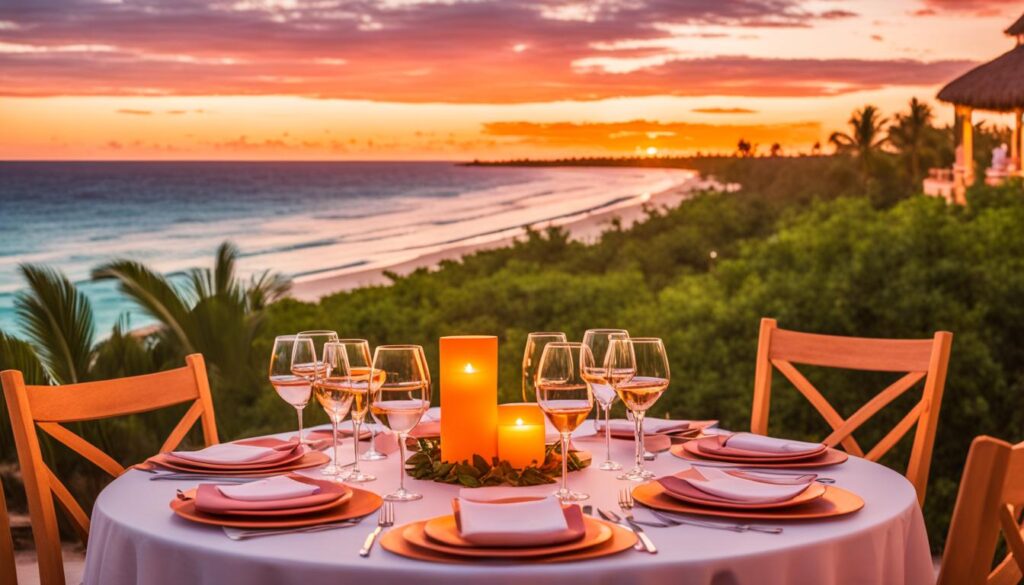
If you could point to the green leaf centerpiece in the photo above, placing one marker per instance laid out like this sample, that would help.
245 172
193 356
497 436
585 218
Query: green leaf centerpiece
426 463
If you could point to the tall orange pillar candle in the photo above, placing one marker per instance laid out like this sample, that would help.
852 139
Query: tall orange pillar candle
521 434
469 397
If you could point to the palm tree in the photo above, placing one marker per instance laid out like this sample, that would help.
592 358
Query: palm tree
865 138
908 134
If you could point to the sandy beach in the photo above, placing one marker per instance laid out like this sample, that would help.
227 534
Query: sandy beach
585 226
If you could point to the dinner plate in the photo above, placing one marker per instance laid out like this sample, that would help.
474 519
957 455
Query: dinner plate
693 495
395 541
360 504
341 492
690 452
441 535
835 502
305 460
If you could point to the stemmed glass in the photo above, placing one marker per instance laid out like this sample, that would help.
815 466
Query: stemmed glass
334 391
399 396
641 377
535 343
598 340
357 351
292 387
307 360
565 397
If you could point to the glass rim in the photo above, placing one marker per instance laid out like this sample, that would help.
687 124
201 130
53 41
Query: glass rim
558 344
351 341
292 336
643 340
606 330
389 347
312 332
547 333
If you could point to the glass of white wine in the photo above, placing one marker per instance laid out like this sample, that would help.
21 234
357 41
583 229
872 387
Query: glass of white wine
598 378
294 388
359 361
566 398
334 393
399 395
535 344
307 360
642 377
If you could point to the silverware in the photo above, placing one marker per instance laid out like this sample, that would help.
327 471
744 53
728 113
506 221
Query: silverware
613 517
239 534
677 521
648 456
626 505
386 519
588 510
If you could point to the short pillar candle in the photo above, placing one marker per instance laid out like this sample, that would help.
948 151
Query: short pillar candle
469 397
521 434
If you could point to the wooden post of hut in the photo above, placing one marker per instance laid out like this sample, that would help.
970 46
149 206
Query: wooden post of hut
996 86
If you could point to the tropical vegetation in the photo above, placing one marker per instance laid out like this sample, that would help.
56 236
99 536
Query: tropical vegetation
805 240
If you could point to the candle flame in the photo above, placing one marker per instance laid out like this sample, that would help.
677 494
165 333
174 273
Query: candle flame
519 422
469 369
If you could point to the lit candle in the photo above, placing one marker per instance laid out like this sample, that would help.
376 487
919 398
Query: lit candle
521 434
469 397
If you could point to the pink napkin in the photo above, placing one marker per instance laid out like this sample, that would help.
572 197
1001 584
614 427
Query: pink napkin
505 493
279 487
531 523
743 488
652 426
426 429
209 499
770 445
226 454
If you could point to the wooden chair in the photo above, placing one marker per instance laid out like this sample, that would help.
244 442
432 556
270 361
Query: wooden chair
8 571
989 502
924 359
47 407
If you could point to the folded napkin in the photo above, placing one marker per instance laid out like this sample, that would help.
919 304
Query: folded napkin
772 445
426 429
432 414
652 426
504 493
210 499
742 488
228 453
280 487
531 523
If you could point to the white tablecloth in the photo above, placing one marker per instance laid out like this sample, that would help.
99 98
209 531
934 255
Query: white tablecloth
135 539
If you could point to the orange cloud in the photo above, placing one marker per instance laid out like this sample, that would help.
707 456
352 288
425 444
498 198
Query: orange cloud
723 111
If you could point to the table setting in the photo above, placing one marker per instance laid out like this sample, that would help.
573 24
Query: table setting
472 489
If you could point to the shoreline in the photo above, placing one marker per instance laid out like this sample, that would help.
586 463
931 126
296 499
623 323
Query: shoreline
583 226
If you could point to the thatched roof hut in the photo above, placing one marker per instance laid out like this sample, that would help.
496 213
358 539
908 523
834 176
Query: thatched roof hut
996 86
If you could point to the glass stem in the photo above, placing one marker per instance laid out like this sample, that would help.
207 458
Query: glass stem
298 411
565 462
334 432
356 423
373 439
607 432
401 464
638 420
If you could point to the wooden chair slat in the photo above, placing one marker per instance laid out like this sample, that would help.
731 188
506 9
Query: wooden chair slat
896 433
1006 573
873 406
851 353
83 448
183 427
8 571
917 359
34 408
1011 532
831 416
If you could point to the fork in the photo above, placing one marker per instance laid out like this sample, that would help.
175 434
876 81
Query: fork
237 534
386 519
675 521
626 505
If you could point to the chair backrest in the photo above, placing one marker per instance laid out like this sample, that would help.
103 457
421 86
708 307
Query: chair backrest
989 503
8 572
919 359
47 407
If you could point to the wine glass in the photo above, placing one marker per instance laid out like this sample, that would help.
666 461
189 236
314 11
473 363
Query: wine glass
357 351
641 376
535 343
311 365
565 397
399 396
334 391
598 340
292 387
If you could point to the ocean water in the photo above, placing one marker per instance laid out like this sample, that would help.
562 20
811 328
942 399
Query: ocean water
303 219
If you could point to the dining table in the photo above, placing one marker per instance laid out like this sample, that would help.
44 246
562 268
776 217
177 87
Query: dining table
135 539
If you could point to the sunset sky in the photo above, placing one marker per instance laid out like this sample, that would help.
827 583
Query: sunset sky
454 79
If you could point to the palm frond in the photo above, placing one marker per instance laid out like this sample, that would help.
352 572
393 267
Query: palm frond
224 270
123 354
154 294
16 354
265 288
57 319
